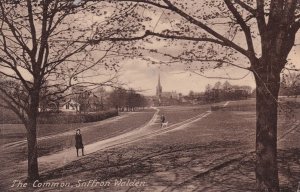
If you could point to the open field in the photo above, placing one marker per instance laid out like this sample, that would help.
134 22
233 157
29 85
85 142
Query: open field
15 132
91 132
199 151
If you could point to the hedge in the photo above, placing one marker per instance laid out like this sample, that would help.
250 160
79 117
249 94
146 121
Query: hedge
66 118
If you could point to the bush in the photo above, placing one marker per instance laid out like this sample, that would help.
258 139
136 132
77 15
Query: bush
65 118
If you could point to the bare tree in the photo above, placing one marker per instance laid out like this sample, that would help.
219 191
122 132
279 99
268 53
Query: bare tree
45 51
253 35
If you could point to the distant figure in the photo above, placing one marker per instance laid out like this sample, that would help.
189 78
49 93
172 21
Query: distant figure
163 119
79 144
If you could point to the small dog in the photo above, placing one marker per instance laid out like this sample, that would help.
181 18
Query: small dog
165 124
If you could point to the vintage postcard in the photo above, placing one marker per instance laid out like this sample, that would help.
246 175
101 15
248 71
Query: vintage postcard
150 95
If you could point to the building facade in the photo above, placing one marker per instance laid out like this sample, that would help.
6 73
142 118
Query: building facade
165 98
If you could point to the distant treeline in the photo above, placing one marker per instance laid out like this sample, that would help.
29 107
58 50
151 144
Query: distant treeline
127 100
226 91
8 117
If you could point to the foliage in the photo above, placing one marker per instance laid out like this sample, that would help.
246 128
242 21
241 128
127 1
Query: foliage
127 99
9 117
226 92
290 84
66 118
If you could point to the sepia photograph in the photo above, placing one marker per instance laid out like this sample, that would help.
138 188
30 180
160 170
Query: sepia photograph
150 95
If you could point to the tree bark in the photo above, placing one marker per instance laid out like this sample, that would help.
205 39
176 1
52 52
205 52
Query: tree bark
33 171
31 126
268 83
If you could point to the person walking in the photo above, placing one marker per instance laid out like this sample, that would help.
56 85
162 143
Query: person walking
163 119
78 142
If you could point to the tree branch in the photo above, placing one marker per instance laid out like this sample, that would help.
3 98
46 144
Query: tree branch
150 33
217 77
32 26
243 25
147 2
13 29
247 7
260 17
207 29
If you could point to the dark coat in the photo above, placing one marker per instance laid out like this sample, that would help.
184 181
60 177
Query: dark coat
162 119
78 139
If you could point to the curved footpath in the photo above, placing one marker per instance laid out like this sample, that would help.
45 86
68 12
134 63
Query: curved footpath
64 157
148 130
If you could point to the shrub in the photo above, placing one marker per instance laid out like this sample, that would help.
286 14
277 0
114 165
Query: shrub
66 118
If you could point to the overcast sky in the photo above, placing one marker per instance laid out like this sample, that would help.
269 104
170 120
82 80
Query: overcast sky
140 75
144 77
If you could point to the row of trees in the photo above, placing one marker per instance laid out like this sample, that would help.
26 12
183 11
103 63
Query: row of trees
98 100
127 100
42 40
226 91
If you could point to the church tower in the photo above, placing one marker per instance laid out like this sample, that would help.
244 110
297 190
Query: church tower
158 88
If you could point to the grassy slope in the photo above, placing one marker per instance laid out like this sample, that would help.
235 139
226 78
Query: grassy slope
90 135
211 155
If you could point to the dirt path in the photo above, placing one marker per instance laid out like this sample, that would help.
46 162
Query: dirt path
149 130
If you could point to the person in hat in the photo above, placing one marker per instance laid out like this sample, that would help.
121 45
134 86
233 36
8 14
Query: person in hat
78 140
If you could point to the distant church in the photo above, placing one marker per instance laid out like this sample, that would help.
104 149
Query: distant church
158 88
166 98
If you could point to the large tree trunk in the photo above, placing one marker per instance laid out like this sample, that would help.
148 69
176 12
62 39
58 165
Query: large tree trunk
33 171
31 126
268 83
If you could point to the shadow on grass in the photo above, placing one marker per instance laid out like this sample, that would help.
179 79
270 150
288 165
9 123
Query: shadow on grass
177 167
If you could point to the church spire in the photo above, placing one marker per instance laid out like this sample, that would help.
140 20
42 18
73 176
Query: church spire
159 80
158 87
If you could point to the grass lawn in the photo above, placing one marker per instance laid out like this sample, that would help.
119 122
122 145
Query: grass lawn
175 114
90 135
214 154
16 132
